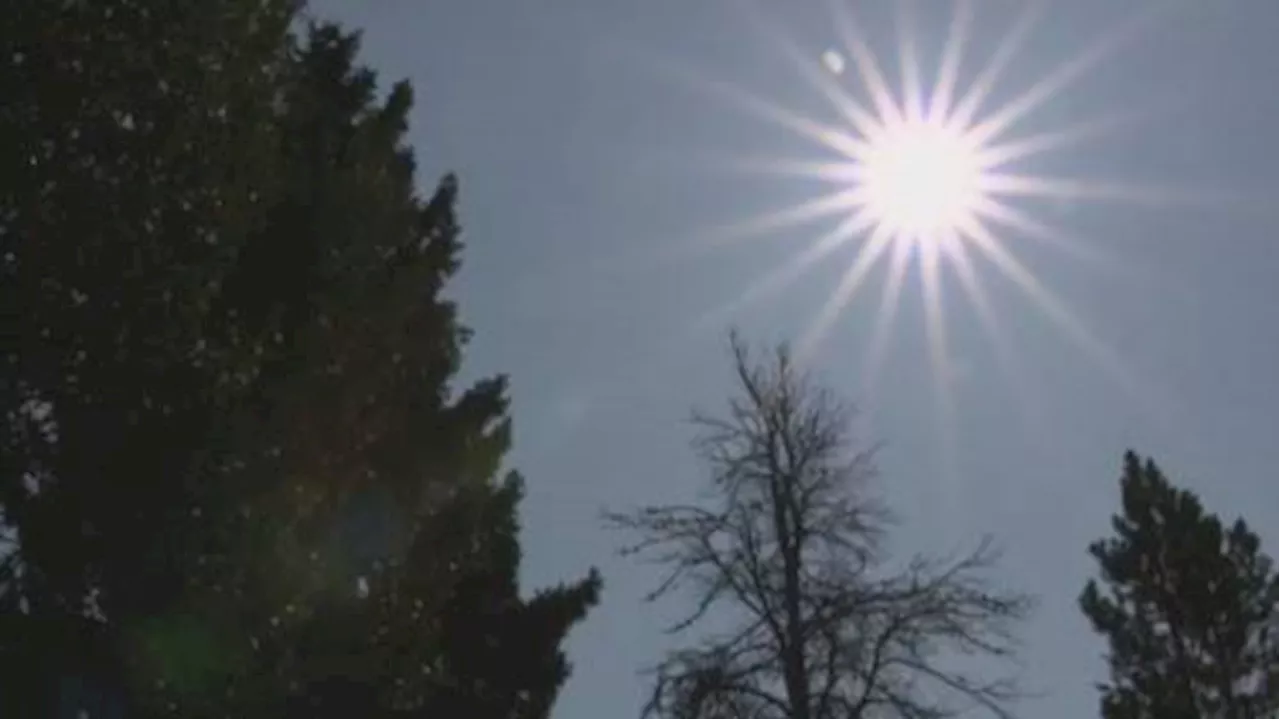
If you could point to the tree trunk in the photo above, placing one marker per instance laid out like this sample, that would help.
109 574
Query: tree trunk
795 673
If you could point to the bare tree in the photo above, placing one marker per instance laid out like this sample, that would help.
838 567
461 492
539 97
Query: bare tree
789 552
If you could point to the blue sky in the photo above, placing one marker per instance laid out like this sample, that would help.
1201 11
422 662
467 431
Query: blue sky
592 174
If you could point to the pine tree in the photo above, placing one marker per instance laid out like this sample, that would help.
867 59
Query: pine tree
1188 607
137 138
237 477
401 499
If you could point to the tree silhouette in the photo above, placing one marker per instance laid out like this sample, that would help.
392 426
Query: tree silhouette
791 549
236 478
137 137
1188 607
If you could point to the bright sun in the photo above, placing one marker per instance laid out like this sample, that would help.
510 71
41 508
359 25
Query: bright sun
921 180
922 173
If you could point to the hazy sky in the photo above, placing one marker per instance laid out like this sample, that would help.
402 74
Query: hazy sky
595 166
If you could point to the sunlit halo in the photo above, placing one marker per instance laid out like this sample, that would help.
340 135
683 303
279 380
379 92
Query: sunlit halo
922 180
927 177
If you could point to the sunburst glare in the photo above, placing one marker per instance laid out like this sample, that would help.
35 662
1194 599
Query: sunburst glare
920 179
926 177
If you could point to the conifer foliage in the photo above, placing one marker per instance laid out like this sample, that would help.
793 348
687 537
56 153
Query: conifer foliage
235 476
1187 604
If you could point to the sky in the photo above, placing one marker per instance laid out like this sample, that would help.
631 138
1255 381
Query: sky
605 146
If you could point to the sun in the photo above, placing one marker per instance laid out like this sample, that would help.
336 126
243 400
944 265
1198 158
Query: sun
923 175
920 180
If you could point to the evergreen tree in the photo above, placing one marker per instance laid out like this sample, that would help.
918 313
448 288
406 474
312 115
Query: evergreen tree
1188 607
138 137
235 473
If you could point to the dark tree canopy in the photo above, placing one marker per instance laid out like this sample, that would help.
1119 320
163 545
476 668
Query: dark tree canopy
235 477
789 553
1188 607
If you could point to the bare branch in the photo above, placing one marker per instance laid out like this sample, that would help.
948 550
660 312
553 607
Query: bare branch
792 541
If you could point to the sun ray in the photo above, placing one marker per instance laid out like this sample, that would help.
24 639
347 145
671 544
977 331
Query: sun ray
1010 217
1033 97
1012 184
886 313
995 155
939 361
967 107
967 274
1010 368
909 62
841 173
763 109
858 116
931 286
782 277
830 137
1036 95
880 240
1049 304
864 60
944 87
815 209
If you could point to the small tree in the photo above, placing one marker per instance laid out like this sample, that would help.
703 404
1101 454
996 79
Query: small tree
791 545
1188 609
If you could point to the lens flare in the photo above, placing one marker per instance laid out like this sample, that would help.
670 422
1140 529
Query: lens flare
925 177
922 180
